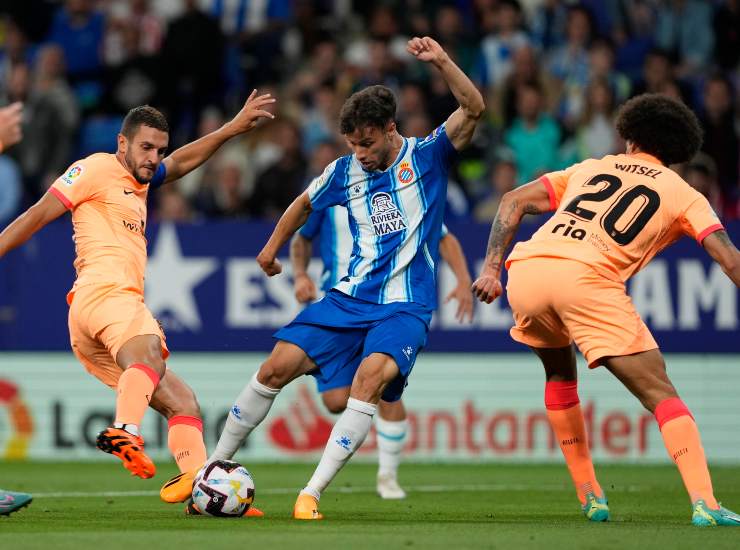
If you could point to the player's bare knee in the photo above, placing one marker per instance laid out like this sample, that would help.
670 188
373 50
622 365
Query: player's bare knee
368 385
273 374
333 404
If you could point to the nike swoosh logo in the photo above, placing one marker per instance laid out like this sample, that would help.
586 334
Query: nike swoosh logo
127 192
7 501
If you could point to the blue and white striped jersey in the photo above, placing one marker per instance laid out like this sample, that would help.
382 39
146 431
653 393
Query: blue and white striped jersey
395 219
335 242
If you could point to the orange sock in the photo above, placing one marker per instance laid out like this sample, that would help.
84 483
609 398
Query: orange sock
135 388
566 419
185 440
682 441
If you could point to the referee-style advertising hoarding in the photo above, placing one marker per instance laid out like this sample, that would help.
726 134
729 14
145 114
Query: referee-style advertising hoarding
484 407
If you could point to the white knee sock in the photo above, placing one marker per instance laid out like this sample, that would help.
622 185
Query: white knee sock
391 439
249 410
348 434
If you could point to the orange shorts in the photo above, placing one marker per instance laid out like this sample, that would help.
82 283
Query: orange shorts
102 318
556 301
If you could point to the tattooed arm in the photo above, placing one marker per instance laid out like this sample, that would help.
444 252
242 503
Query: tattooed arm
720 248
532 198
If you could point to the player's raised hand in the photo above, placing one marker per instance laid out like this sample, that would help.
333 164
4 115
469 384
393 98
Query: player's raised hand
487 287
425 49
10 124
269 264
253 110
305 288
464 298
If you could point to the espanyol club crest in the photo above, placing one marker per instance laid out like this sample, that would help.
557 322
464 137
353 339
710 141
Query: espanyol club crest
405 173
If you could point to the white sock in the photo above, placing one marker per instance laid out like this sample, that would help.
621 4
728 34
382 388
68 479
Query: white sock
391 439
249 410
346 437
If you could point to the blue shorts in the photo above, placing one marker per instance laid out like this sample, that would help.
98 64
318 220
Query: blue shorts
338 332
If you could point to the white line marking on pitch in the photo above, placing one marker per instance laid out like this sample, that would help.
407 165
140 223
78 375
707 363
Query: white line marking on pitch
501 487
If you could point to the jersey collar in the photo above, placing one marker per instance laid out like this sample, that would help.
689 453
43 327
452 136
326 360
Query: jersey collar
646 157
400 155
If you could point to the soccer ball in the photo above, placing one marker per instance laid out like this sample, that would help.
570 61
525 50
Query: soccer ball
224 489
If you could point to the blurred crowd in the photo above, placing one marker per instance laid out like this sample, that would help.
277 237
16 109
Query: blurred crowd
553 73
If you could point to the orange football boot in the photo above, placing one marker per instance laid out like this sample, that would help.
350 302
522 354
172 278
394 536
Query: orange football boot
306 507
129 448
178 488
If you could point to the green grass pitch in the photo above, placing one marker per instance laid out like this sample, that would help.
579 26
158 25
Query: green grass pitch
97 505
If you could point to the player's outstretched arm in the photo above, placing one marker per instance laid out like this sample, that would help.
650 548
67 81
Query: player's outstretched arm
723 251
532 198
461 124
452 253
47 209
188 157
301 249
291 220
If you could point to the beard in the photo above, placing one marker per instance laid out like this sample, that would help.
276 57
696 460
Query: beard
134 172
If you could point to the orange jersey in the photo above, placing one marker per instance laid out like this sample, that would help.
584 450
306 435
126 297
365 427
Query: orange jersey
616 213
109 217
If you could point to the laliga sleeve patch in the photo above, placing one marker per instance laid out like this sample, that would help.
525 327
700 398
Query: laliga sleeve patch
73 174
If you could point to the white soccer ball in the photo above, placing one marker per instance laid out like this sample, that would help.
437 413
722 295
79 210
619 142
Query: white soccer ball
224 489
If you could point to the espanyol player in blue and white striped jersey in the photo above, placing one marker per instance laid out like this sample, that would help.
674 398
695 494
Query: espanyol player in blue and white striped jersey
331 229
378 315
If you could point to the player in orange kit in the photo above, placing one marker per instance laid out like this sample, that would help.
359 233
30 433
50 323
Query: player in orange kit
112 332
612 216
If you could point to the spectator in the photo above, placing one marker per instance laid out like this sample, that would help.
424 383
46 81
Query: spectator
684 27
720 133
601 67
595 135
191 75
549 24
223 194
658 76
324 154
52 118
131 77
701 174
503 178
499 46
173 206
16 51
534 137
526 69
78 28
412 104
11 190
727 37
255 32
282 181
317 121
569 64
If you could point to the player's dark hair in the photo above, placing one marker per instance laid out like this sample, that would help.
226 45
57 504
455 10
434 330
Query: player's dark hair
374 106
660 126
146 116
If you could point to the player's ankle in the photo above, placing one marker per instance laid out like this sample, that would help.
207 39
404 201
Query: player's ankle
311 492
133 429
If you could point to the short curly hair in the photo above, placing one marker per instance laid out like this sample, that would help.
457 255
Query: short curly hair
374 106
660 126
